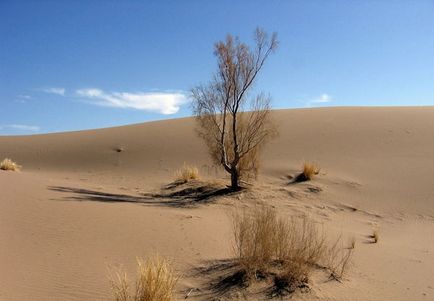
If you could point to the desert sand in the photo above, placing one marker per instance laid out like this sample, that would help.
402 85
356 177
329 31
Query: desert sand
89 200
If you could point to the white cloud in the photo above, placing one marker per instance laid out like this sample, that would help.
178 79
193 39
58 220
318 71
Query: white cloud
22 98
90 92
21 127
55 90
160 102
322 99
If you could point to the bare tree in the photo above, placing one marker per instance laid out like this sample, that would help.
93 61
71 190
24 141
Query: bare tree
234 125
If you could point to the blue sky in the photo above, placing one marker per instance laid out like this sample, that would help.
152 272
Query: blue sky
71 65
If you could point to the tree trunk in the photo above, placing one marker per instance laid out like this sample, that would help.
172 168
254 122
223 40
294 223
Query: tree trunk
234 179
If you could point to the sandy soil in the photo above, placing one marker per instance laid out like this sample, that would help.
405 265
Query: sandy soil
86 201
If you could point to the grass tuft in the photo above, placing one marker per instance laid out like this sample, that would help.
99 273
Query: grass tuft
187 173
266 244
155 281
338 259
256 240
8 164
309 171
375 236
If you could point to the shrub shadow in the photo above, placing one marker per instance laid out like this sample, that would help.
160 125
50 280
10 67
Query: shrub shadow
222 278
300 178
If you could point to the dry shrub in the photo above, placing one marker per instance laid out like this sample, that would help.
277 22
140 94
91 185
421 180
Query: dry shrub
155 281
261 238
263 241
337 259
309 171
255 244
187 173
8 164
120 287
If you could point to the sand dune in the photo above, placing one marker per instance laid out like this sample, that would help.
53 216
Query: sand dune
89 199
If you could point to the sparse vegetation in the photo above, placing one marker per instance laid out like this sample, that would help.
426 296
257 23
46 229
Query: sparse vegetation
187 173
375 236
256 239
337 259
352 243
233 136
156 281
309 171
288 249
262 237
8 164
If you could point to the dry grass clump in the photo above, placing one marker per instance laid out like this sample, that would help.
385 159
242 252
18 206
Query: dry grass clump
309 171
375 236
187 173
263 239
255 238
8 164
155 281
286 248
337 259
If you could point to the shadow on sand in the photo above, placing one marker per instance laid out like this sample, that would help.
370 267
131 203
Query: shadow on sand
221 278
225 278
175 194
298 178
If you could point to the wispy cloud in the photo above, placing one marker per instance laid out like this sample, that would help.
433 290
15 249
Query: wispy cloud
55 90
22 98
160 102
20 127
322 99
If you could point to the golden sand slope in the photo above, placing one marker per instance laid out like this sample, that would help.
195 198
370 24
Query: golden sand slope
83 201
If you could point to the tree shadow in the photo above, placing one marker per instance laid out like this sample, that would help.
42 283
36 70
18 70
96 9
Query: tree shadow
174 184
173 195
